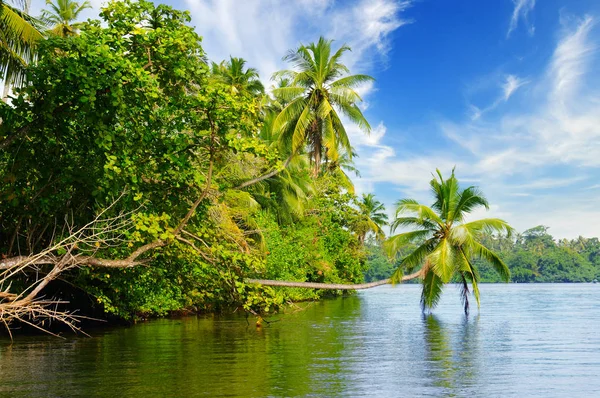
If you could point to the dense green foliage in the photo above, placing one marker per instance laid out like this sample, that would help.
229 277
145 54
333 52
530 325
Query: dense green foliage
128 118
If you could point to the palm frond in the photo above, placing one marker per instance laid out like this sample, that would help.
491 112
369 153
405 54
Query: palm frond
491 257
470 272
288 93
412 222
414 259
355 115
488 225
443 260
290 113
432 290
420 211
352 81
393 244
469 200
464 292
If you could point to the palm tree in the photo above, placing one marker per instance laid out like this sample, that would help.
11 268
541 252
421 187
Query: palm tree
232 73
447 242
371 218
340 167
320 86
62 14
19 35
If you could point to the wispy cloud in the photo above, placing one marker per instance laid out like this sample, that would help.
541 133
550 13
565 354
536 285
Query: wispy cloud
521 12
571 57
527 156
547 183
508 85
511 85
562 127
262 31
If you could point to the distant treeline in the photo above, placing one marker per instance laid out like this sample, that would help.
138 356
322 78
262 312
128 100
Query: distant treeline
533 256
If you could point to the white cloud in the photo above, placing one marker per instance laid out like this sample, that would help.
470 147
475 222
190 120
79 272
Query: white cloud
563 129
570 60
546 183
367 26
515 157
508 86
511 85
521 12
263 31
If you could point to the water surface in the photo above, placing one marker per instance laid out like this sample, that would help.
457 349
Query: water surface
527 340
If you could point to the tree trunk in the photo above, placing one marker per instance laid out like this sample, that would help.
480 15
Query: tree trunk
332 286
317 146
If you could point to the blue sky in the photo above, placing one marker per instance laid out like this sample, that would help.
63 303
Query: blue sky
505 90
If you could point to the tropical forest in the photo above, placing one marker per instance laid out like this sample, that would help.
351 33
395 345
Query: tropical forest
179 222
140 178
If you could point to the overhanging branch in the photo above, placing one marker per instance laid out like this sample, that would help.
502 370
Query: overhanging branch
332 286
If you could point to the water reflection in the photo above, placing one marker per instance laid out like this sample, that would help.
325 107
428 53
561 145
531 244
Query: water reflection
452 352
372 344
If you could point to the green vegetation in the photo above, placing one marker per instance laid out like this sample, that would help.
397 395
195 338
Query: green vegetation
447 245
142 177
533 256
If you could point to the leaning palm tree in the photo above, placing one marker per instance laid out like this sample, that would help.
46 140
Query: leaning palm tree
19 35
371 218
62 16
447 242
320 86
234 74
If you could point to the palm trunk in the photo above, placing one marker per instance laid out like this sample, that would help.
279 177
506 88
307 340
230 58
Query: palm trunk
317 146
333 286
317 165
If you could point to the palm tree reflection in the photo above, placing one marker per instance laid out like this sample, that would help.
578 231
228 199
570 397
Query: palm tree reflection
450 353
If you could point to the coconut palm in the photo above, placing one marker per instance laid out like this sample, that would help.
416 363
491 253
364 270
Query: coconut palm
447 242
19 35
320 87
62 16
371 218
234 74
340 169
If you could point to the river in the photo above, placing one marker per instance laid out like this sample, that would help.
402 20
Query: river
526 340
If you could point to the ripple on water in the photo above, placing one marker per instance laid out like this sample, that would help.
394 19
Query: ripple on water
527 340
